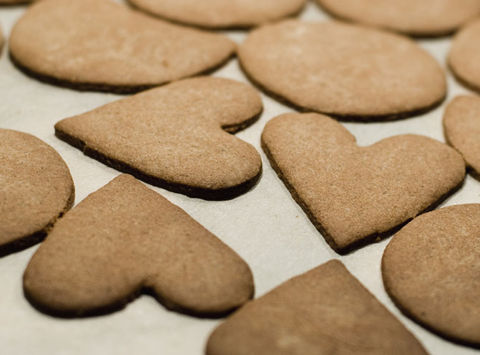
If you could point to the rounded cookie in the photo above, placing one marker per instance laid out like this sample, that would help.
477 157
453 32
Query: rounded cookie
344 70
431 271
35 190
461 124
418 18
103 45
221 13
465 54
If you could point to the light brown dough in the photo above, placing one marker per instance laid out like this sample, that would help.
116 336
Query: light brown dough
125 239
221 13
102 45
431 270
324 311
355 194
461 125
36 188
464 55
348 71
414 17
175 136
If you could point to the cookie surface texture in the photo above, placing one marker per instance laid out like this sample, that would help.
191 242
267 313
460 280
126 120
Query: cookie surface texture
35 189
124 239
431 269
102 45
348 71
354 194
461 125
221 13
418 18
465 55
176 136
324 311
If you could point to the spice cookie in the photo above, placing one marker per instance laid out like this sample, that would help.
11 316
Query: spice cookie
176 136
348 71
221 13
461 125
102 45
355 194
465 55
431 268
418 18
35 190
324 311
125 239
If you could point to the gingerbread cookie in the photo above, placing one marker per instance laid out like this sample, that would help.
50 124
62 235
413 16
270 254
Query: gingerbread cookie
36 189
221 13
349 71
418 18
324 311
355 194
431 268
461 125
176 136
465 55
102 45
125 239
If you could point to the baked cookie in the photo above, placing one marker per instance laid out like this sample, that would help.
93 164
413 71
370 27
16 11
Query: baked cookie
221 13
431 268
417 18
125 239
35 190
348 71
355 194
103 45
324 311
461 125
465 55
176 136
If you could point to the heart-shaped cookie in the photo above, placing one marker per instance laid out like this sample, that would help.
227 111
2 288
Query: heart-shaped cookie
35 189
461 125
324 311
175 136
354 194
431 270
124 239
103 45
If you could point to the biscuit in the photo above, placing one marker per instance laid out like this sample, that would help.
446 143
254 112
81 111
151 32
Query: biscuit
221 13
102 45
324 311
125 239
465 54
413 17
461 124
36 189
176 136
348 71
355 194
430 270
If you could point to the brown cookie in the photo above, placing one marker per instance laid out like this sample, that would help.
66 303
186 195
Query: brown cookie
176 136
418 18
125 239
431 270
348 71
102 45
324 311
355 194
35 190
464 55
461 124
221 13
